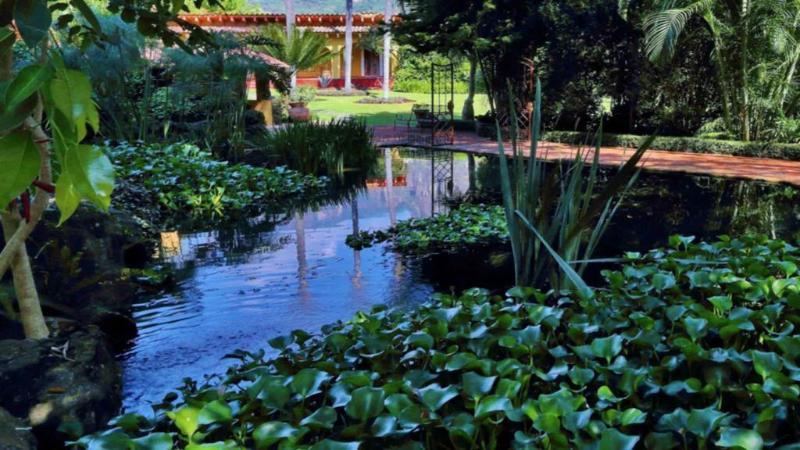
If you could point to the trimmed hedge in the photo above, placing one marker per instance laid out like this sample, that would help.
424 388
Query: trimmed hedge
685 144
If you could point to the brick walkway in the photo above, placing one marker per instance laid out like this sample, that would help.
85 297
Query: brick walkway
773 170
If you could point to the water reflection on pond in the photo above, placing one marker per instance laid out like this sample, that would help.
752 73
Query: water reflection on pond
240 286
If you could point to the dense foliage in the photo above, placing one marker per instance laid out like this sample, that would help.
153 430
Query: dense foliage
733 64
684 144
322 148
693 346
466 226
188 184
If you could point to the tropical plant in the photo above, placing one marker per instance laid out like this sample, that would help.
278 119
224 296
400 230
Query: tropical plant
694 346
301 49
121 78
756 54
464 227
45 88
553 211
323 148
190 188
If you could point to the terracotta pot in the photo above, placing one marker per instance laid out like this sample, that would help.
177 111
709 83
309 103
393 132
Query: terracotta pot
299 112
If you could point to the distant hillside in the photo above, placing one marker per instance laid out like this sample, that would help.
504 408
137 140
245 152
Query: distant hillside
320 6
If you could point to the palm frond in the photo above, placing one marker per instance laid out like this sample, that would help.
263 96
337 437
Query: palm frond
663 28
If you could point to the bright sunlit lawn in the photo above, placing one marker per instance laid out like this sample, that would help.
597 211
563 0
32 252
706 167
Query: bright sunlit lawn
326 108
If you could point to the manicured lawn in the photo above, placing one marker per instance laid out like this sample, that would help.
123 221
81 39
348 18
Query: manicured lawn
326 108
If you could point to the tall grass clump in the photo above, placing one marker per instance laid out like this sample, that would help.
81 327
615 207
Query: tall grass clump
323 148
553 211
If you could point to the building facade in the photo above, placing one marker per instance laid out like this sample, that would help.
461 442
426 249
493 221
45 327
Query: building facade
367 66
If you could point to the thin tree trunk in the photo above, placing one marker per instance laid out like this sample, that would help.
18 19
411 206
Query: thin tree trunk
468 111
722 81
387 49
30 310
348 47
290 22
16 231
745 107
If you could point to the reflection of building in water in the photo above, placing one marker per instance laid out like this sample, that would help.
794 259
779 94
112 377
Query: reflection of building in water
384 182
170 244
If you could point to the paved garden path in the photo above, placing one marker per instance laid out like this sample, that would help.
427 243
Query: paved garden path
774 170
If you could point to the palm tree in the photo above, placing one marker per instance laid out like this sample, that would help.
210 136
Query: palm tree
348 46
387 48
301 50
756 53
289 5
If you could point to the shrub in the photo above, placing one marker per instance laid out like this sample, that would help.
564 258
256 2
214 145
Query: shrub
187 184
685 347
684 144
305 94
322 148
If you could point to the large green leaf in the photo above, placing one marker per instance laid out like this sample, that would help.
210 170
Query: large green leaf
492 404
703 422
33 20
67 197
308 381
27 82
740 438
154 441
71 93
92 174
612 439
323 417
365 403
12 118
186 420
328 444
19 159
435 396
269 433
87 14
214 412
476 386
607 347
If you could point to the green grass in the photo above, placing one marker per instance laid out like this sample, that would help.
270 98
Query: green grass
326 108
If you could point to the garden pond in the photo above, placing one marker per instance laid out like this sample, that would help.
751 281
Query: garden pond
239 286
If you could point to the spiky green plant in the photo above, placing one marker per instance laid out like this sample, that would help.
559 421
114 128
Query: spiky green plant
553 211
301 50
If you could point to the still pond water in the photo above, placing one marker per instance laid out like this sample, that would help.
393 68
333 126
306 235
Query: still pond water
239 287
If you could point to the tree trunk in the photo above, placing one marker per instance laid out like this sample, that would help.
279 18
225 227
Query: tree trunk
745 106
30 310
290 22
387 50
468 111
263 91
348 47
16 231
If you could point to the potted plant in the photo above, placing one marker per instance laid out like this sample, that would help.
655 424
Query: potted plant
298 101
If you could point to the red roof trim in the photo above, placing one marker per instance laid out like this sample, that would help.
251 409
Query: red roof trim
360 19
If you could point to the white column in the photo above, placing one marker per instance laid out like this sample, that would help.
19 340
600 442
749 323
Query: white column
348 47
387 50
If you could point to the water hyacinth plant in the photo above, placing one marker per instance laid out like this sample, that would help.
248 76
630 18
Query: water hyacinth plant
466 226
553 211
187 184
694 346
